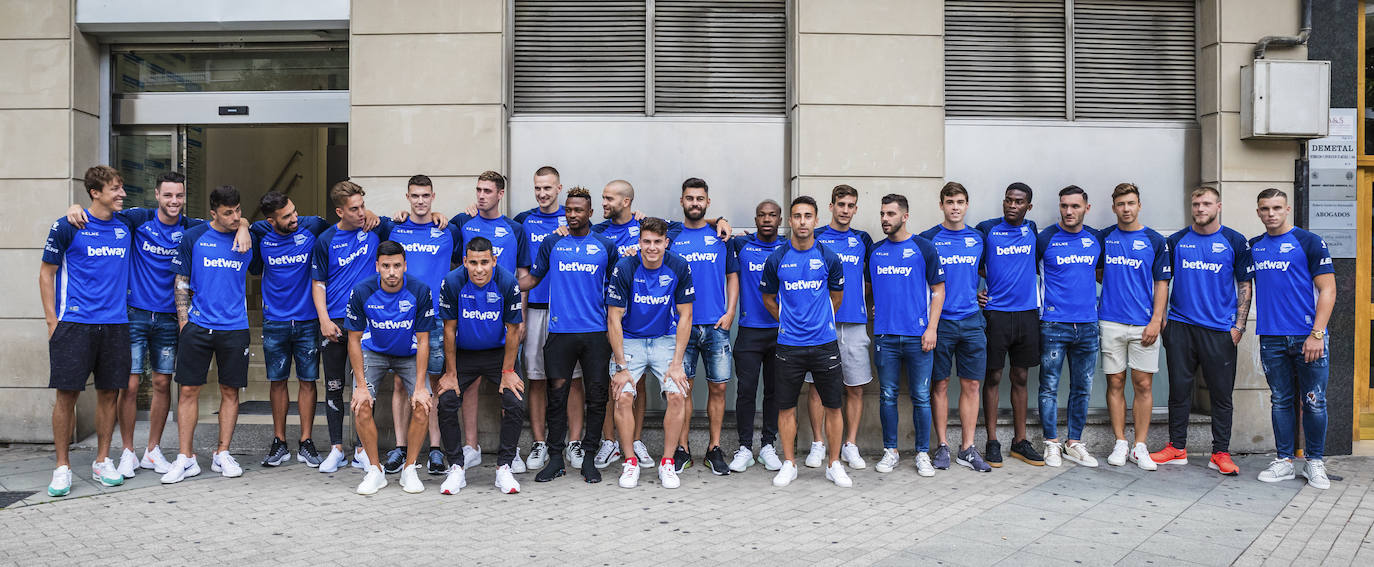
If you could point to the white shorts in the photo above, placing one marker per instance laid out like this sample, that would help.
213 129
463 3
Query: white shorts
1121 348
536 334
853 341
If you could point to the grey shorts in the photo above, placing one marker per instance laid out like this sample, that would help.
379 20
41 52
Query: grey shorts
536 334
377 365
853 340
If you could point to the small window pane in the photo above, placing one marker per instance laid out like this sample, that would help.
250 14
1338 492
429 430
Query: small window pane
160 71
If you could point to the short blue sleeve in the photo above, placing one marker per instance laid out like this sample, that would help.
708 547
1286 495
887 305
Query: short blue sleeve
59 239
514 314
181 262
768 281
611 257
448 294
315 225
930 256
1243 267
424 311
835 268
260 229
540 267
255 265
619 289
1163 269
135 217
522 253
319 261
355 318
686 290
1318 256
1042 241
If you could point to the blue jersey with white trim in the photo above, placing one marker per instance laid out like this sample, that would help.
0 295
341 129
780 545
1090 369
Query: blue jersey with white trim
851 246
92 270
504 234
1132 261
751 254
711 262
1206 269
802 281
650 296
1009 265
342 258
389 320
482 311
961 254
577 268
430 251
893 268
218 277
1285 296
538 225
1068 264
284 262
150 273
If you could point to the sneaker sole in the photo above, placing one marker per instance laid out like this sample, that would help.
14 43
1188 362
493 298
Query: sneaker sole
713 470
1214 467
1279 479
995 464
307 462
510 491
1028 460
1082 463
1179 461
560 472
276 463
59 493
743 468
107 483
883 470
969 464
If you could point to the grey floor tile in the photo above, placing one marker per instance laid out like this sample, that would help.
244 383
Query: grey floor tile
1130 497
1255 502
1130 517
1115 534
1062 503
961 552
1026 559
1221 516
1190 550
1226 534
1027 514
1005 532
1075 548
1143 559
905 559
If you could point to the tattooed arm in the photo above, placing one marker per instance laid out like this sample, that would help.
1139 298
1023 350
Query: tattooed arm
183 295
1243 291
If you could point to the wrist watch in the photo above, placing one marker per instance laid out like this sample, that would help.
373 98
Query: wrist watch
1319 334
620 367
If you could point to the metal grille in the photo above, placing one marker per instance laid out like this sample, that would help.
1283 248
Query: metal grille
580 56
1134 60
720 56
1005 58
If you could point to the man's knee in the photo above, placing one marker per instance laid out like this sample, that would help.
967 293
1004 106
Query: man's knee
229 394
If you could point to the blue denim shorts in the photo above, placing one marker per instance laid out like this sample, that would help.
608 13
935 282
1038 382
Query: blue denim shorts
284 341
152 336
436 352
714 347
649 356
963 342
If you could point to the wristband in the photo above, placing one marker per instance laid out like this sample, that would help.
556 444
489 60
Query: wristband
508 371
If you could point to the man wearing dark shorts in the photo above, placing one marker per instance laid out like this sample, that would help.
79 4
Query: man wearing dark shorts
808 279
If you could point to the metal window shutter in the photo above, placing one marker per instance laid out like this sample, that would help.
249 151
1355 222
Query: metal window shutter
1134 59
1005 58
579 56
720 56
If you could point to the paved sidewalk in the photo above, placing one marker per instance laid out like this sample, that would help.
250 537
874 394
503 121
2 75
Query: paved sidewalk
1016 515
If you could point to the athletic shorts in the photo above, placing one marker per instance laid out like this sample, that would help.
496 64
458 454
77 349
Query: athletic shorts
822 361
963 341
1015 334
1121 349
377 365
197 345
652 356
474 364
536 336
78 350
152 341
854 342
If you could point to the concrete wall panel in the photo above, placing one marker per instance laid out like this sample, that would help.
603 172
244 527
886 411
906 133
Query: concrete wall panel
921 194
37 73
427 69
427 16
34 19
34 144
843 69
42 201
20 282
439 140
871 141
897 17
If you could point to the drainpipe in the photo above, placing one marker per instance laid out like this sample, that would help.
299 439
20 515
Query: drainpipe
1288 40
1300 166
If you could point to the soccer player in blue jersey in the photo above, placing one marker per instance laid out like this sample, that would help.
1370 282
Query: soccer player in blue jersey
1070 255
1208 308
649 309
851 245
577 267
389 318
905 321
1295 290
211 282
715 274
83 284
1135 291
538 223
962 336
344 254
756 342
803 285
1011 306
481 308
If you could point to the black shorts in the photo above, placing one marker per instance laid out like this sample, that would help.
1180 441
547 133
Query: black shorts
823 362
1014 333
197 345
78 350
474 364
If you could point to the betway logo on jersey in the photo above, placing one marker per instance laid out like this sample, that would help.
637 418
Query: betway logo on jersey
652 299
755 267
849 258
1074 259
804 285
287 260
420 248
221 263
947 260
701 257
346 260
481 315
627 249
1214 267
894 270
106 251
1272 265
537 238
1008 250
576 267
1133 263
155 249
389 325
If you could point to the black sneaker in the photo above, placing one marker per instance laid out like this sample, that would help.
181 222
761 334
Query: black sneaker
395 460
553 469
308 455
277 454
682 459
436 463
1026 452
715 460
589 472
992 453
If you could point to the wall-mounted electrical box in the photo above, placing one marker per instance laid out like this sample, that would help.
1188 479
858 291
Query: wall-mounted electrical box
1284 99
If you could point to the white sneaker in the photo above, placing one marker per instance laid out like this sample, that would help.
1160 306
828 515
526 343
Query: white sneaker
1315 472
888 462
155 461
816 457
642 455
332 462
410 479
454 481
835 473
61 484
505 481
1140 455
105 473
184 467
849 453
1119 453
360 460
1054 451
539 454
768 456
667 476
517 465
1078 453
743 458
607 454
223 463
471 457
575 454
128 464
629 475
1279 470
923 465
786 474
374 481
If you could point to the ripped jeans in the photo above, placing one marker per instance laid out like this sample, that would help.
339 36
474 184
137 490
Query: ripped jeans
1291 379
1076 344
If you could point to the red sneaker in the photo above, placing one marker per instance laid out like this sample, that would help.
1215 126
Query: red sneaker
1222 463
1170 455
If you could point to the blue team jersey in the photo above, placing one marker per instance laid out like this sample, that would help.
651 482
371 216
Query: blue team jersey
1009 265
482 311
650 297
710 261
218 275
504 234
150 273
430 252
92 270
625 236
284 262
577 268
1206 269
751 254
1285 297
961 254
1069 263
851 246
1132 261
803 280
342 258
537 226
387 320
899 307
